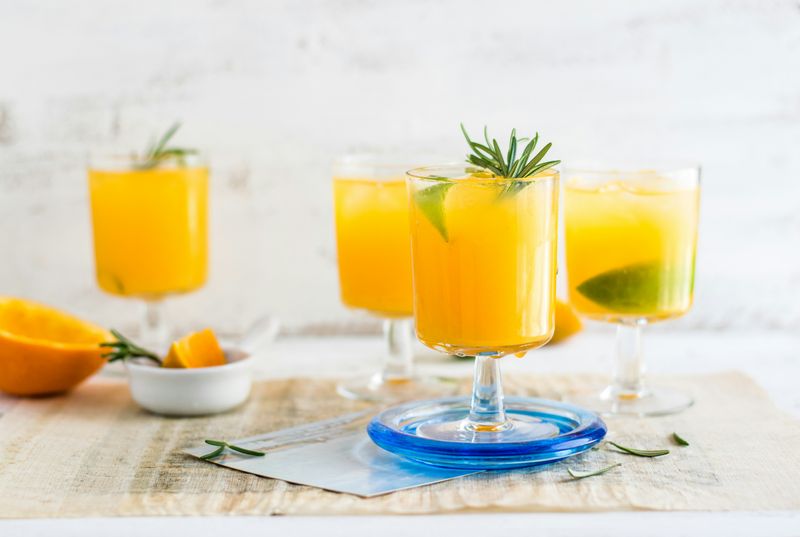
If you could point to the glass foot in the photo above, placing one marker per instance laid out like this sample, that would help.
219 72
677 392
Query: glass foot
651 402
438 432
379 389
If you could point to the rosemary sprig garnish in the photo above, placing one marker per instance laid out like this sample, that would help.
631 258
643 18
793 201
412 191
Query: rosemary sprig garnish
578 474
158 151
489 162
640 452
490 157
222 445
678 440
124 348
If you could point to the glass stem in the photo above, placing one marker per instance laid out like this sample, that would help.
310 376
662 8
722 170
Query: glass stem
628 381
487 412
399 335
154 330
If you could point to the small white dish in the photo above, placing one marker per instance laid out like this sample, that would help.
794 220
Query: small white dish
192 392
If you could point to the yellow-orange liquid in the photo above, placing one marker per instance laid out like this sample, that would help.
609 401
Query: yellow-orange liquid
373 245
150 230
641 232
490 287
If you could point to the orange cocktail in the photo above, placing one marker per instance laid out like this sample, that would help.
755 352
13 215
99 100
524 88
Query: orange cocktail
150 229
631 241
150 224
483 267
373 244
374 257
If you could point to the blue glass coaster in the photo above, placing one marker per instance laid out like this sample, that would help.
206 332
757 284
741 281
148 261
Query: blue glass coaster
435 432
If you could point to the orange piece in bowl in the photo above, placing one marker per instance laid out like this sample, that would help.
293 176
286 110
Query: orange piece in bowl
44 350
198 349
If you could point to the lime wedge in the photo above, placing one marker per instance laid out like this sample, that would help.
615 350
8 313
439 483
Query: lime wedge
430 201
634 288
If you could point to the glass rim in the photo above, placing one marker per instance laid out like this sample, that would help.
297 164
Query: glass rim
425 173
634 167
377 159
377 166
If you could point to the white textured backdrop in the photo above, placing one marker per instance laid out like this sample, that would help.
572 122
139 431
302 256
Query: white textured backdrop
275 89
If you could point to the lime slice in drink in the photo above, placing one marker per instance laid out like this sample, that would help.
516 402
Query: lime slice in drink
634 288
430 201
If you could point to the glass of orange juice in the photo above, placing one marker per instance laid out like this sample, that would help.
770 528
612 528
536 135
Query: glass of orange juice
484 269
483 250
631 242
374 259
150 226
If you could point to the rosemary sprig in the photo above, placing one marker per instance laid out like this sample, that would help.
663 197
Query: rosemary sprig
221 445
158 151
641 452
578 474
490 162
678 440
124 348
489 157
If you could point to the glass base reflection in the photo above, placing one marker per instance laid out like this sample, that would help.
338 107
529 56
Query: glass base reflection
378 388
658 401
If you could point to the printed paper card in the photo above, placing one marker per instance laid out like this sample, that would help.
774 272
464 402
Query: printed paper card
334 455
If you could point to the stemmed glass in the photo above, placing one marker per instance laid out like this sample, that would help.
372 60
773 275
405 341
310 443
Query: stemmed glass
631 241
374 258
484 264
149 222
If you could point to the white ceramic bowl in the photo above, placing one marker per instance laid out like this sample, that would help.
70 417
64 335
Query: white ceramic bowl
192 392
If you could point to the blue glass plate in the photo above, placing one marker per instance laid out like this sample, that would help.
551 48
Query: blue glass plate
542 431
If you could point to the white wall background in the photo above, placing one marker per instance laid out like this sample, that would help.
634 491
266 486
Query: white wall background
276 89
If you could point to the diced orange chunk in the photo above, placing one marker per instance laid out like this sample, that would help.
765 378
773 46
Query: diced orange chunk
198 349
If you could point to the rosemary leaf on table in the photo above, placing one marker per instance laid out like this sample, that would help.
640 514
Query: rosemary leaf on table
650 453
222 445
578 474
679 440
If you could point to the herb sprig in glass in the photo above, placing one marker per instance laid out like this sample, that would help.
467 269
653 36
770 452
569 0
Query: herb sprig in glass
159 152
490 157
488 161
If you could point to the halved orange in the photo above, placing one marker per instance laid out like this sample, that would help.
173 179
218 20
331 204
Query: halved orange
44 350
198 349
